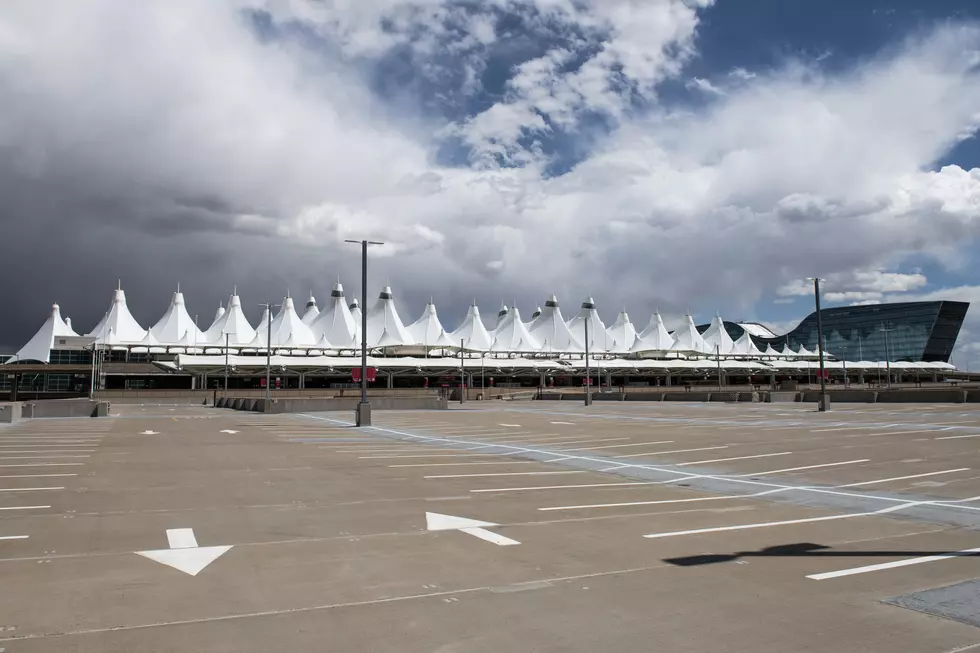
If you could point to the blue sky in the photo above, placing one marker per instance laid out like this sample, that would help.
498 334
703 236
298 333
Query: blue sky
681 155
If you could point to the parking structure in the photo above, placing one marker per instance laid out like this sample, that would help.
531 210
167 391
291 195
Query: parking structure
523 526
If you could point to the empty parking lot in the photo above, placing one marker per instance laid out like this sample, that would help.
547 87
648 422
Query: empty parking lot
518 526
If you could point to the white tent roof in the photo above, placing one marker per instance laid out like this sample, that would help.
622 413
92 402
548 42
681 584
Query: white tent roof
118 325
654 338
598 340
355 312
534 318
217 316
336 323
501 316
471 332
262 330
688 339
513 336
717 334
176 323
745 346
311 310
803 352
622 334
770 351
383 321
550 330
288 327
426 330
234 323
39 347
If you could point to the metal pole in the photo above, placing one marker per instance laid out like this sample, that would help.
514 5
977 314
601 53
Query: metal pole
844 361
364 312
483 383
718 361
823 381
268 358
888 365
588 385
226 366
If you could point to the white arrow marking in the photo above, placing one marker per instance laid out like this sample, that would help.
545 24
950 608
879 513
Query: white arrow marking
184 554
438 522
149 433
229 431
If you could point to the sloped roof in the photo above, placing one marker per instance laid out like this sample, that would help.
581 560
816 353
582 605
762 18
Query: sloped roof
598 338
233 323
550 329
355 312
176 323
472 332
311 310
717 335
745 346
654 338
688 339
512 335
288 327
217 316
426 330
118 325
39 347
336 323
622 334
501 316
383 320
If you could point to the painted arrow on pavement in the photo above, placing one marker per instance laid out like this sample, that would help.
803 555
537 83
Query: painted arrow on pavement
229 431
184 554
438 522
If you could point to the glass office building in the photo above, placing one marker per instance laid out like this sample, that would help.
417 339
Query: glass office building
908 331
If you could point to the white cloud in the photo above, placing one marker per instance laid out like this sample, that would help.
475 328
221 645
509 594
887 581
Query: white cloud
793 172
703 85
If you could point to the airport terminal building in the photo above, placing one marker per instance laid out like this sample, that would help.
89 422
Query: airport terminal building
319 347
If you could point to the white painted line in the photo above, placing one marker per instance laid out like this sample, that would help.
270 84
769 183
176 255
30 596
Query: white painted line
38 457
560 487
52 451
904 432
849 428
436 455
565 423
43 465
892 565
490 536
651 503
502 462
46 447
903 478
516 426
799 469
14 537
28 489
36 475
24 507
181 538
577 441
506 474
621 446
660 453
958 437
810 520
411 447
722 460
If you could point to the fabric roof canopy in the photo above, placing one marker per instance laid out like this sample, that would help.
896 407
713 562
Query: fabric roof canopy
232 323
384 326
513 336
335 324
311 310
550 330
716 335
472 333
39 347
654 338
687 339
621 335
176 323
598 338
118 325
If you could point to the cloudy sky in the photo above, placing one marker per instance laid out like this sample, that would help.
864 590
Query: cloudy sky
685 155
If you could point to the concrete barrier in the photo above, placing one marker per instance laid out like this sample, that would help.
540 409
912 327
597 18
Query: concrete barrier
843 396
63 408
951 396
277 406
973 396
749 397
687 396
10 412
608 396
644 396
549 396
782 397
728 397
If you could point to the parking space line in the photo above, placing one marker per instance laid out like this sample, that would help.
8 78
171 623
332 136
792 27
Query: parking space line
851 428
901 432
655 503
892 565
502 462
799 469
561 487
958 437
621 446
38 457
903 478
23 507
573 471
42 465
722 460
809 520
434 455
51 451
36 475
14 537
580 441
660 453
28 489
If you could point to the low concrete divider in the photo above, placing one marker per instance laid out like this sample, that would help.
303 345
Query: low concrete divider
951 396
973 396
749 397
687 396
298 405
608 396
730 397
64 408
782 396
644 396
10 412
548 396
843 396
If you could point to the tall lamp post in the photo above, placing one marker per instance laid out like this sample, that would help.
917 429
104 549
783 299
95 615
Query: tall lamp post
888 365
364 408
588 383
268 354
823 403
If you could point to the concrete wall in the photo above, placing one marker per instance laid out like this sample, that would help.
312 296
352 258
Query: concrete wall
9 412
687 396
781 397
843 396
644 396
430 402
951 396
64 408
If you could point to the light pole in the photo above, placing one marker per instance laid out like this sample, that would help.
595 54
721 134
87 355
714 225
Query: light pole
462 373
226 366
268 354
888 365
364 408
588 385
823 403
95 369
844 361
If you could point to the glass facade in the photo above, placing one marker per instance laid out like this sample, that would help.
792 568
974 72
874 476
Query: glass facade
909 331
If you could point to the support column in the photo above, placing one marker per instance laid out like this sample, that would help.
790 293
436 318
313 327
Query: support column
667 382
391 380
302 380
